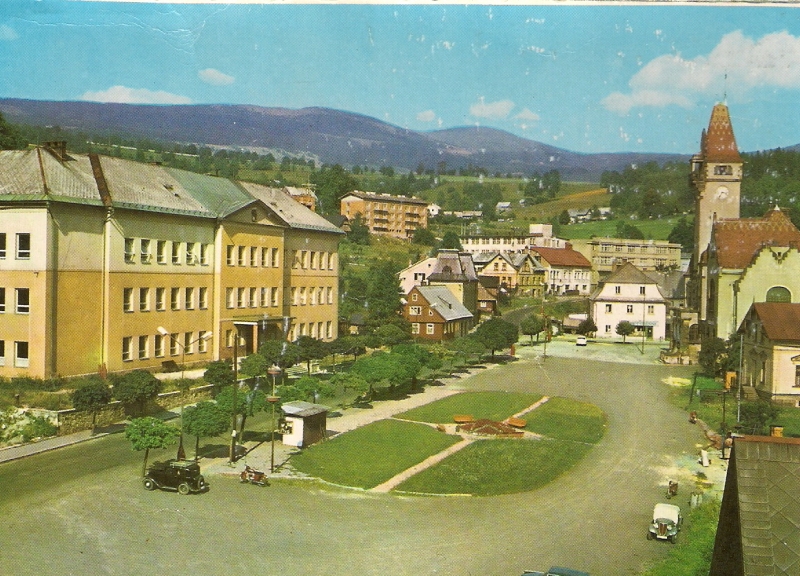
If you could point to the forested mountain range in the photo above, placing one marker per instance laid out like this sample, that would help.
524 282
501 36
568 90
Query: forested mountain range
328 136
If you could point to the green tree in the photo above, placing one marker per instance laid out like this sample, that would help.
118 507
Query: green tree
332 182
391 335
233 400
148 433
359 231
348 344
280 353
713 356
309 349
496 334
350 381
204 420
587 326
137 388
625 329
531 326
755 416
383 293
10 136
423 236
91 397
450 241
683 234
468 345
254 365
219 374
564 218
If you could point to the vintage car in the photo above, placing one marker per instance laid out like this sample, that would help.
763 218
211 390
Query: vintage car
556 571
580 341
666 523
181 475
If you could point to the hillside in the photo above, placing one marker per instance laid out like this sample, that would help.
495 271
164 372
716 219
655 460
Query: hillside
329 136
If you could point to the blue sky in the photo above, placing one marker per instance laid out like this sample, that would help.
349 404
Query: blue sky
588 78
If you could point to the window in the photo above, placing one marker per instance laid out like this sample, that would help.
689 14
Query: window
144 299
189 298
188 343
796 371
430 311
415 310
651 309
161 251
21 359
176 252
191 253
275 259
429 328
161 299
313 260
127 349
312 295
159 346
617 289
264 297
202 298
779 294
608 308
323 260
330 262
242 256
415 328
329 290
304 259
230 297
173 345
241 296
143 345
264 257
2 352
253 256
127 299
253 297
144 250
329 329
175 298
275 296
2 245
608 328
641 290
202 345
2 300
629 308
205 254
294 296
414 297
230 255
302 295
130 253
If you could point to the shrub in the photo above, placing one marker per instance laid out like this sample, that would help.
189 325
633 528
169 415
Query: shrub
38 427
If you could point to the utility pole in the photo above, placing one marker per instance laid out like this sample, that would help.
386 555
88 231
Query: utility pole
232 455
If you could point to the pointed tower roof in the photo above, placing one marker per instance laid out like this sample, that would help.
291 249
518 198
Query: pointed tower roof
718 143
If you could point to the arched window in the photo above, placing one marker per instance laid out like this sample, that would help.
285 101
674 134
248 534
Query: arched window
779 294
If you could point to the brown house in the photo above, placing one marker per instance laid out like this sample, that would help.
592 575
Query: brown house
436 314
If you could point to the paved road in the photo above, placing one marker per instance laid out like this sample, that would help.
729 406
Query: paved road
593 519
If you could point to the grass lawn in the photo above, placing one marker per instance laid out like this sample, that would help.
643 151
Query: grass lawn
491 467
566 419
491 405
370 455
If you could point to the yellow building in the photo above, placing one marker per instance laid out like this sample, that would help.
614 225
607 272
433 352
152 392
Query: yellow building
108 265
387 215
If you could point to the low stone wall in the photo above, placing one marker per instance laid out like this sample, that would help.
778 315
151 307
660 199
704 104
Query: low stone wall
70 421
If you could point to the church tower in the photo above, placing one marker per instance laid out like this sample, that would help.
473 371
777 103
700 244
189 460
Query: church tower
716 176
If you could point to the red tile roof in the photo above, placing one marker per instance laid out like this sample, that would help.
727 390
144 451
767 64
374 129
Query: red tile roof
563 257
781 320
719 143
738 240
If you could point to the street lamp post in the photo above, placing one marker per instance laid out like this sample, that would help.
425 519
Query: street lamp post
273 371
204 336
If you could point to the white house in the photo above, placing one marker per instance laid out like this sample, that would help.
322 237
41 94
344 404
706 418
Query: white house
629 294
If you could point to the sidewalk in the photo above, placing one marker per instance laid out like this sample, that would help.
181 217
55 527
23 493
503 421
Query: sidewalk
29 449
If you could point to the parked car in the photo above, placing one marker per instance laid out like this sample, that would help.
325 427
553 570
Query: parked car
580 341
556 571
666 523
181 475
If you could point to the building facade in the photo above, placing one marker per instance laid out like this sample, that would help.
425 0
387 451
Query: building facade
649 255
436 314
566 271
109 265
386 215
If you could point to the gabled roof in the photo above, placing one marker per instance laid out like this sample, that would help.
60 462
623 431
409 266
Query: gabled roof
444 302
780 320
562 257
759 524
736 241
291 212
303 409
453 266
375 197
628 273
718 144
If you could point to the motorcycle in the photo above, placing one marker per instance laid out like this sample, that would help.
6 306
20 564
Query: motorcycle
253 476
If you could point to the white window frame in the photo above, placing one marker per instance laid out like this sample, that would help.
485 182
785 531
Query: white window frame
19 360
127 348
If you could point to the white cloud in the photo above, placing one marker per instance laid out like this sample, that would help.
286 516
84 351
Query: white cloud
215 77
737 65
426 116
526 114
125 95
495 110
7 33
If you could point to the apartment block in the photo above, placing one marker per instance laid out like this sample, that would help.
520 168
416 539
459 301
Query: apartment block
384 214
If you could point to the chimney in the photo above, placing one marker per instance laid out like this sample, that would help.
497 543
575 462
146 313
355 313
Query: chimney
57 148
